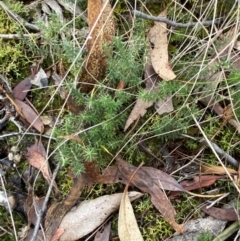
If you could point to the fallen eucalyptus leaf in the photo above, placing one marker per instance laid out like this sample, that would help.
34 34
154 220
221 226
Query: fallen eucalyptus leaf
90 214
127 225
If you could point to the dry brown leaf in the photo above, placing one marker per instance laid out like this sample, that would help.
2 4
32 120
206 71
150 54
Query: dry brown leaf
103 235
30 115
200 182
139 109
221 213
21 89
40 162
38 147
127 224
207 169
146 184
90 214
159 53
34 210
57 211
54 216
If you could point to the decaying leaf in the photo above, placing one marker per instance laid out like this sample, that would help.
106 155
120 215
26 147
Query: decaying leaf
30 115
139 109
164 181
38 160
221 213
34 209
57 211
127 224
200 182
146 184
38 147
21 89
159 52
90 214
103 235
101 30
54 216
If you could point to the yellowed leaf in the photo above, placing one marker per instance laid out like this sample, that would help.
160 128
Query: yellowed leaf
127 225
159 53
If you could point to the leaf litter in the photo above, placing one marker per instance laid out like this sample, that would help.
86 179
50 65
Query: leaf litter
147 179
90 214
128 229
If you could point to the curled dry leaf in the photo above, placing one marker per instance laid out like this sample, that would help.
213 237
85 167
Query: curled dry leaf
159 53
30 115
90 214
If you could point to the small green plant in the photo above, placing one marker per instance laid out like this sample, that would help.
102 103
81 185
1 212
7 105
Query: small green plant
207 236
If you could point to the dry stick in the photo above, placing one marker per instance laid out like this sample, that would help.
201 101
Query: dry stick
215 153
173 23
18 36
44 207
9 208
26 133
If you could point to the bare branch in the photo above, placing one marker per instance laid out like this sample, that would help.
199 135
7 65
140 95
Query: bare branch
173 23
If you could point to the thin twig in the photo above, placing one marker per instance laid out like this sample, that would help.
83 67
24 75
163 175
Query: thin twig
27 133
18 36
173 23
216 148
18 18
9 208
44 206
221 152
